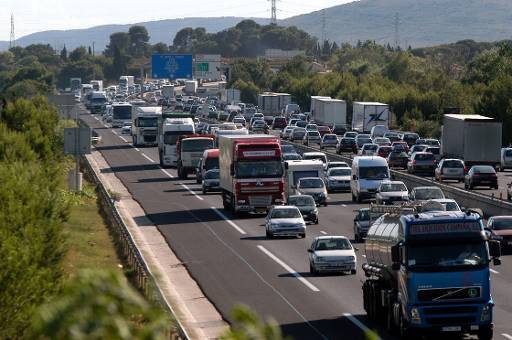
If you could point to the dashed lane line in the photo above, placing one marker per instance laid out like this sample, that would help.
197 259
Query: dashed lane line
494 271
323 232
506 336
289 269
167 173
148 158
124 139
137 149
192 192
231 223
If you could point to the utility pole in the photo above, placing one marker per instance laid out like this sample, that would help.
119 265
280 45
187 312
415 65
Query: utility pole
93 48
273 12
12 38
324 33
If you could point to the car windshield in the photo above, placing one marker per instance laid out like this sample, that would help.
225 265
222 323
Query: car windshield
313 134
259 169
340 172
311 183
195 145
483 169
447 255
212 175
364 140
451 206
347 141
428 194
330 137
364 215
502 224
301 124
333 244
301 201
285 213
351 134
371 147
434 151
286 148
374 172
390 187
291 156
453 164
211 163
400 154
424 157
417 148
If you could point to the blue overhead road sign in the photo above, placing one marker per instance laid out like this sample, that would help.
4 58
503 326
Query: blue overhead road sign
171 66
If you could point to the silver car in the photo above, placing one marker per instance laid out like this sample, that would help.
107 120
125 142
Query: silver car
285 220
329 140
392 191
211 181
311 137
448 168
338 179
332 254
315 187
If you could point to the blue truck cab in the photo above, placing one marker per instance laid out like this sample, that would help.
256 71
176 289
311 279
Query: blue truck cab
428 272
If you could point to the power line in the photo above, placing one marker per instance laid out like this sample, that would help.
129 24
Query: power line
324 33
12 38
273 12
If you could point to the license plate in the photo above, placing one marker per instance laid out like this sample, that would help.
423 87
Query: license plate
452 329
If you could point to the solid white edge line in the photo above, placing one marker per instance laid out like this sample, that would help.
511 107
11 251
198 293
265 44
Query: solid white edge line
136 149
494 271
167 173
231 223
323 232
192 192
361 325
114 132
505 335
124 139
146 156
289 269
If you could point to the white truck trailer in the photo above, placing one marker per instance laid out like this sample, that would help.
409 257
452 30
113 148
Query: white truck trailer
190 86
272 103
145 125
168 91
330 111
297 169
97 85
473 138
366 115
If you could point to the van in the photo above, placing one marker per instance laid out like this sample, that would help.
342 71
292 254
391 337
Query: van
378 131
209 161
505 159
367 174
294 170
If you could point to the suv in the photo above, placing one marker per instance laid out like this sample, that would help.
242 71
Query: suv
450 169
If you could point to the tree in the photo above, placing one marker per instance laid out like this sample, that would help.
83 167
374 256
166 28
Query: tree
100 305
160 48
139 41
247 326
119 40
119 63
64 54
78 54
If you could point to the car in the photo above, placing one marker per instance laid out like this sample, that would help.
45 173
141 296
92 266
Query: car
417 148
481 175
332 254
292 122
329 140
301 123
421 162
306 205
448 204
398 159
338 179
509 191
350 134
279 123
239 119
315 187
259 126
126 129
287 148
382 141
420 194
312 127
383 151
298 133
400 146
316 155
368 150
432 142
392 136
339 129
311 137
324 130
285 220
346 144
505 159
501 226
362 223
362 139
392 191
410 138
337 164
435 150
285 133
450 169
211 181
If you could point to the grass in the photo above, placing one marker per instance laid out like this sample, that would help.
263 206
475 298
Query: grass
89 243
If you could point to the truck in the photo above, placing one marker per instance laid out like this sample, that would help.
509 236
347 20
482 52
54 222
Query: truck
473 138
273 103
190 87
189 150
121 114
232 96
314 100
97 85
170 126
428 272
98 101
366 115
75 84
125 82
145 125
251 173
297 169
168 91
330 111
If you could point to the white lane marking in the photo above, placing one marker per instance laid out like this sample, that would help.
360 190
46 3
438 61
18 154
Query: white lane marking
167 173
149 159
289 269
137 149
114 132
505 335
323 232
494 271
344 205
361 325
363 255
192 192
96 118
124 139
231 223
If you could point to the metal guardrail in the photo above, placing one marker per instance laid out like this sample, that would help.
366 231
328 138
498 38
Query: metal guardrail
143 277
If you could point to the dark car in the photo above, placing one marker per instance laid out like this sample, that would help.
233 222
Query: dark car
346 144
363 139
279 123
351 134
410 138
397 159
339 129
392 136
424 162
323 130
501 226
384 151
306 205
481 175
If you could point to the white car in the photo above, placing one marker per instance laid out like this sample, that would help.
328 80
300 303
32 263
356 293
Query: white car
316 155
329 140
285 220
126 129
332 254
448 204
286 132
338 179
313 186
392 191
368 149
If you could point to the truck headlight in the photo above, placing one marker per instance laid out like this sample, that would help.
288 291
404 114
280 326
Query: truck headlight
486 313
415 315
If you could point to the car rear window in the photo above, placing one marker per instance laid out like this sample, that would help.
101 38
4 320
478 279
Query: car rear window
508 153
434 151
484 169
453 164
424 157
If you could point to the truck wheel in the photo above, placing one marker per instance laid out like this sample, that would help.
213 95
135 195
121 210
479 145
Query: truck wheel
353 197
485 334
402 328
134 141
358 199
353 271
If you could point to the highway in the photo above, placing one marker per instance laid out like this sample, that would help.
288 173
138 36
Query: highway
233 262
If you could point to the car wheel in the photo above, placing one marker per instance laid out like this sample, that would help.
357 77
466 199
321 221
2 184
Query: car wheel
325 204
357 239
470 186
303 235
204 191
465 185
312 269
353 197
316 221
353 271
509 197
496 187
358 199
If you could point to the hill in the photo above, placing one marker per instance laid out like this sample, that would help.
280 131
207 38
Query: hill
160 31
421 23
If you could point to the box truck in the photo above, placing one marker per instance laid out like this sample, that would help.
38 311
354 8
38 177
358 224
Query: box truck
190 86
366 115
330 111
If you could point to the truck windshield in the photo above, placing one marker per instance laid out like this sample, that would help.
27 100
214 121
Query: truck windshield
170 137
195 145
447 255
148 122
122 112
260 169
374 172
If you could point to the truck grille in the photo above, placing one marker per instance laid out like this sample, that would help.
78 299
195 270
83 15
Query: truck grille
149 139
260 189
260 201
457 320
451 310
443 294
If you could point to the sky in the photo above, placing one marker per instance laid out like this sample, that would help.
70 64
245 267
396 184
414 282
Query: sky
40 15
